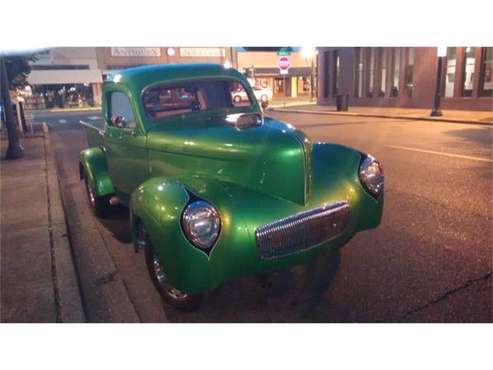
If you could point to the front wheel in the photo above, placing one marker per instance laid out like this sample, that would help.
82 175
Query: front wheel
173 296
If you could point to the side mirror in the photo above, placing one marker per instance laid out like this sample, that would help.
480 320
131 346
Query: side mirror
119 121
244 121
264 104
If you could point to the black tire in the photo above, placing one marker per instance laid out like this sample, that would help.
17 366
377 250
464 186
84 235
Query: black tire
100 206
174 297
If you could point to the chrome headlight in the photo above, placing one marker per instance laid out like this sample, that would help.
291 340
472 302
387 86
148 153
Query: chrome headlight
371 175
201 224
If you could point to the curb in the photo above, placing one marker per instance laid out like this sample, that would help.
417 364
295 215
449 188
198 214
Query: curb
292 104
59 110
415 118
67 290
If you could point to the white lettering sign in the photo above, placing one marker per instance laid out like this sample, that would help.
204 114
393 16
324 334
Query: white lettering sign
136 52
202 52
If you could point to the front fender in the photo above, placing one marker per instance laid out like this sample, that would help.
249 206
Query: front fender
92 165
335 176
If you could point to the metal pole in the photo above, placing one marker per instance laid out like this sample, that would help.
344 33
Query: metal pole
436 111
312 80
14 149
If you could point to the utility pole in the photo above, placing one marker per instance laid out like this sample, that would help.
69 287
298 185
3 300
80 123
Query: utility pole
15 149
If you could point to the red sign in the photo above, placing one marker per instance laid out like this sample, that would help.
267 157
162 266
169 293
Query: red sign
283 64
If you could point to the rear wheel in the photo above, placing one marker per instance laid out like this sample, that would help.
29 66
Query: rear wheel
173 296
99 205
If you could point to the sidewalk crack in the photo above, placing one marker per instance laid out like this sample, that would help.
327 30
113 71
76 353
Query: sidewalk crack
446 294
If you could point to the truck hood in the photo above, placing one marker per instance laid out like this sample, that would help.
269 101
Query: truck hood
273 158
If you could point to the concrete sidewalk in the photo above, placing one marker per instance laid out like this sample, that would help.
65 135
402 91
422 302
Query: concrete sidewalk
38 277
284 102
455 116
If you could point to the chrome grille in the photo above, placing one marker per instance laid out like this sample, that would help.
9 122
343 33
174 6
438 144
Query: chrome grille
302 231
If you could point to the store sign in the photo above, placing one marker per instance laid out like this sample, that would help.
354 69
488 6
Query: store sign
135 52
202 52
283 64
283 52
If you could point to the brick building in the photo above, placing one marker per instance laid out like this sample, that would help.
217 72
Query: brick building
406 77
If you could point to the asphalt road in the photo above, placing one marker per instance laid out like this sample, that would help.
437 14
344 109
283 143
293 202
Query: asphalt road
429 261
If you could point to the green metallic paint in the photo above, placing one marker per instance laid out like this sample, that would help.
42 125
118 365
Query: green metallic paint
93 162
252 176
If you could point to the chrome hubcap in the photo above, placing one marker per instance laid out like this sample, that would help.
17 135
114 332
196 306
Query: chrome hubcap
158 271
92 198
160 276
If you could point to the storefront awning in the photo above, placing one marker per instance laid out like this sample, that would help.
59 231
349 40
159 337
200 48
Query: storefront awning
65 77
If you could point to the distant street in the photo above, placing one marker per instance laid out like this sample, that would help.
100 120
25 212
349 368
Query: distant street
430 260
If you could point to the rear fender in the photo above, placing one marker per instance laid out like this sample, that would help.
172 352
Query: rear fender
92 165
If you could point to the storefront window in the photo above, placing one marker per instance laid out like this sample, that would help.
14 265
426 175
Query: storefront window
396 70
327 74
487 75
450 72
62 96
409 71
371 72
337 67
383 70
303 85
359 72
469 64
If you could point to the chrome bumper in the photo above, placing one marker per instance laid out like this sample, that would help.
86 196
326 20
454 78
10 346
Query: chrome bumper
302 231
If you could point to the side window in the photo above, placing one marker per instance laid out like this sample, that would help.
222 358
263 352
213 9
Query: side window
120 111
239 95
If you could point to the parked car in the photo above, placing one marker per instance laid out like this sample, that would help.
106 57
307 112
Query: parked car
263 94
216 190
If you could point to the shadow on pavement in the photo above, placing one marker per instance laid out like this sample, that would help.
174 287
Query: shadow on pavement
478 136
293 295
118 224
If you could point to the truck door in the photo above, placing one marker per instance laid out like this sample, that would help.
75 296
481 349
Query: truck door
125 144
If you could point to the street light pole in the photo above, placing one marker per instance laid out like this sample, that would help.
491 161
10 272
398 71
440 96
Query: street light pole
14 149
436 111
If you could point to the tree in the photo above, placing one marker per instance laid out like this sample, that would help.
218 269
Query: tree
13 75
18 69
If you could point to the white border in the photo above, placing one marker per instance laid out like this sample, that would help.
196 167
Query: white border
47 23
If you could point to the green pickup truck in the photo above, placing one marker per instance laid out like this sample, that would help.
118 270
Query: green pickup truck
215 189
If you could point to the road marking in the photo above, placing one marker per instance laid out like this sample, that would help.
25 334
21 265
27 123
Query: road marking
94 118
479 159
62 121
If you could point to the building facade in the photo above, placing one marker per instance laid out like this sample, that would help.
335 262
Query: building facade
406 77
112 59
73 77
64 77
262 67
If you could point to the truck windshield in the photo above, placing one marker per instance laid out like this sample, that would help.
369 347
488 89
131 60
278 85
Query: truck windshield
167 100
